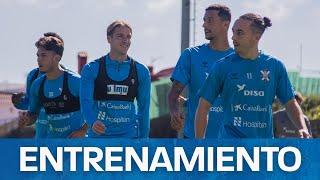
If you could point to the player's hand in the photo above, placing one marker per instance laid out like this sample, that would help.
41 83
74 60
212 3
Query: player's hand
79 133
177 120
16 98
98 127
304 133
24 119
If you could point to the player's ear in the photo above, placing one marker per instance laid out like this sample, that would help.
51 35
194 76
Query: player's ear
109 39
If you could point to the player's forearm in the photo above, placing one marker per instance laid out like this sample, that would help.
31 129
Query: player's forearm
144 127
201 118
201 122
143 102
87 105
145 122
143 117
295 114
88 112
32 117
87 101
173 96
173 101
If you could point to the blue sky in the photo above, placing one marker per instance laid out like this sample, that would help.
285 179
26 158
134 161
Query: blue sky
156 30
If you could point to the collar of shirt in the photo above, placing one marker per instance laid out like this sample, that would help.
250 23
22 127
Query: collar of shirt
117 63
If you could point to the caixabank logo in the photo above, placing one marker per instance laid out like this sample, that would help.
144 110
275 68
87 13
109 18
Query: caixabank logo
249 108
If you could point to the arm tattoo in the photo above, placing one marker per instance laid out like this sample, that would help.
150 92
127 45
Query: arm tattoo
177 88
173 95
32 116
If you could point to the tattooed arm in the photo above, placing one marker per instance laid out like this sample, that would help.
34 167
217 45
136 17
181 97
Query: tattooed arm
296 116
27 118
177 116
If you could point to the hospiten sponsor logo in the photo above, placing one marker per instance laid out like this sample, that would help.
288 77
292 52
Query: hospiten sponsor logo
239 122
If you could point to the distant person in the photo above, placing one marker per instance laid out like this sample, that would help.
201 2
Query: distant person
110 86
283 127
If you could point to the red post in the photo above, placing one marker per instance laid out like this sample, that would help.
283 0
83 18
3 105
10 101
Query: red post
82 60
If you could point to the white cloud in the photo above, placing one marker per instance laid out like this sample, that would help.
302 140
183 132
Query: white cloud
160 6
277 10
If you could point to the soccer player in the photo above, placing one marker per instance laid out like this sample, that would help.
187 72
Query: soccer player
109 87
193 67
248 81
21 100
57 91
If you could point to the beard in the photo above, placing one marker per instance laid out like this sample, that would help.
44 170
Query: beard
210 37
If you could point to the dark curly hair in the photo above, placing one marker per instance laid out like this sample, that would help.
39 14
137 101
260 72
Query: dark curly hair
54 34
51 43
